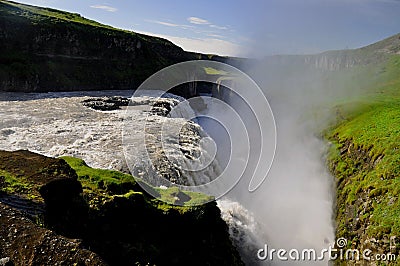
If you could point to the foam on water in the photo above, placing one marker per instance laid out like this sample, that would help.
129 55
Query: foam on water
57 124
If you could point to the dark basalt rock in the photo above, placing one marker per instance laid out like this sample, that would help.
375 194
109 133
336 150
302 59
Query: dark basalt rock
106 103
53 181
45 179
22 242
161 107
126 229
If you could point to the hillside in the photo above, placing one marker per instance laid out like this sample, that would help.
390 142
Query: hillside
364 157
364 154
43 49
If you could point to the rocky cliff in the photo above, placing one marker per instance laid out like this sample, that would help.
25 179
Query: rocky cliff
49 50
335 60
62 212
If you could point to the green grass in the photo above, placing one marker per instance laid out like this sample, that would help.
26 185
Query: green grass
39 12
377 133
169 196
39 15
365 152
47 50
99 179
14 184
101 185
213 71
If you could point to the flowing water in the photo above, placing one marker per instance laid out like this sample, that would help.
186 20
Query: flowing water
57 124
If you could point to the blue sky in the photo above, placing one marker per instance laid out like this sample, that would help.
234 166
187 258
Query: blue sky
247 27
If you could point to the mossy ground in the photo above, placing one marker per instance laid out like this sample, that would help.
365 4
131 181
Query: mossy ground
365 154
158 227
376 133
12 184
50 15
112 216
22 174
100 185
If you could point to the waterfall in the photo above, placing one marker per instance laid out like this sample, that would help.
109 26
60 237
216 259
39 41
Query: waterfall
243 229
57 124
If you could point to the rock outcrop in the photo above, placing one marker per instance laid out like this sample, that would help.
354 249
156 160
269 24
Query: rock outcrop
33 189
111 220
106 103
23 242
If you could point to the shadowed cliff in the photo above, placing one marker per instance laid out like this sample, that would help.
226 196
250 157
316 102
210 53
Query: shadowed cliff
44 49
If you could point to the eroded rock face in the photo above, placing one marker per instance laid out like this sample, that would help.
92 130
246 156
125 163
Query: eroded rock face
355 219
23 242
36 190
51 179
44 188
125 229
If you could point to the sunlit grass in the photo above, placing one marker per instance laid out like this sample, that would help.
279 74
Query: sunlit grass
106 184
370 168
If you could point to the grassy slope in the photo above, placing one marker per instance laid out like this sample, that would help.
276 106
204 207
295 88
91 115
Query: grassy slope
365 155
100 185
43 49
49 15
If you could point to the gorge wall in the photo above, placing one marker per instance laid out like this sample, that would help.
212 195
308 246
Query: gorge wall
44 49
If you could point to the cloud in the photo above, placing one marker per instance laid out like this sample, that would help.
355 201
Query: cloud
389 1
198 21
166 24
218 27
106 8
207 46
216 36
203 45
170 24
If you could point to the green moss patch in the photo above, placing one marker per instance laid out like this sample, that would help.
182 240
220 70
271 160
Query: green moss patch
101 184
14 185
365 158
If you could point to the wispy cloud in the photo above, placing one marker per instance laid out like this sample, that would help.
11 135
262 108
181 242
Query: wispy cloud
389 1
204 30
216 36
106 8
198 21
170 24
218 27
203 45
165 23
